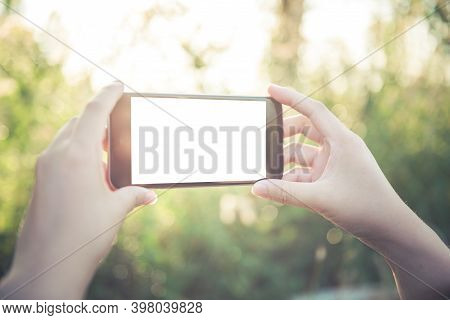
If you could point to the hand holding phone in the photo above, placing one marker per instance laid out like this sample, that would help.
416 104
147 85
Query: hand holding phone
73 216
341 180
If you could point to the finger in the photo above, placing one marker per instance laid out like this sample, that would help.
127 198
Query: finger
286 192
301 153
105 141
92 121
65 132
300 124
132 197
106 176
322 118
298 175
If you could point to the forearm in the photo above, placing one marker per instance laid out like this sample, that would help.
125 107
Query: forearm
419 259
68 279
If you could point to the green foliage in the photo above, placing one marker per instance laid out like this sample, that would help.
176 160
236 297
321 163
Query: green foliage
35 100
223 242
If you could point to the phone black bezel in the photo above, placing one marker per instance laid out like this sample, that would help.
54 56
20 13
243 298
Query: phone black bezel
119 135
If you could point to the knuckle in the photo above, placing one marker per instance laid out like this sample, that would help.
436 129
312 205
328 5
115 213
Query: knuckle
74 153
354 138
41 161
318 111
93 105
351 140
319 105
358 139
45 161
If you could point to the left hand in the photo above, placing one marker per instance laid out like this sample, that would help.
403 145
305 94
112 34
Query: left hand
74 215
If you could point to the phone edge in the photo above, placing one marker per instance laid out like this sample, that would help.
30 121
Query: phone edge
277 107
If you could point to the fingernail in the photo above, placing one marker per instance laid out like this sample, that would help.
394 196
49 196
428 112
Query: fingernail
150 198
260 188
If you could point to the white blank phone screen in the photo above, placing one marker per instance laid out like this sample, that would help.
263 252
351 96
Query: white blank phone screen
176 140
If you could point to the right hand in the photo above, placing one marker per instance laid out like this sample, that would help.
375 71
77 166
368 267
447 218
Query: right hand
344 184
340 179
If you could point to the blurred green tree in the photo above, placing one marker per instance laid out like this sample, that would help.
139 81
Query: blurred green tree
35 100
224 243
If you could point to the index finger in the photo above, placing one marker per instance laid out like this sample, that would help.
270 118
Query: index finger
91 125
322 118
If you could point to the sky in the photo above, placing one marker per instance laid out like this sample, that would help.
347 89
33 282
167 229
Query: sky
149 58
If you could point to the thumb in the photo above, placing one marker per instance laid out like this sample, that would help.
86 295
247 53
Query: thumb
132 197
294 193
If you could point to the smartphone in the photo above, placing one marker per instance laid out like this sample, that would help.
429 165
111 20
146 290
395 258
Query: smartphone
175 140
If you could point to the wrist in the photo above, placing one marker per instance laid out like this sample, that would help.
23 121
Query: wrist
417 256
379 224
392 225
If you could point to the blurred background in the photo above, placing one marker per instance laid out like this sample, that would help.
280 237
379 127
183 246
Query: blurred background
222 242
